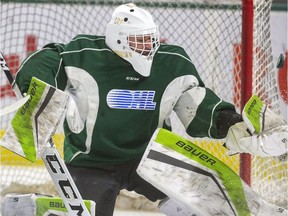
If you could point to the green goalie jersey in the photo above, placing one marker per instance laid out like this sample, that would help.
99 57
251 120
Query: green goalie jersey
113 110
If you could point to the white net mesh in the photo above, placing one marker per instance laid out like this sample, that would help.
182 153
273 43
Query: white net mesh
269 175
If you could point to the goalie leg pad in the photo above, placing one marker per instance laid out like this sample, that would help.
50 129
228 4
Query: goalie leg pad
186 173
38 205
193 177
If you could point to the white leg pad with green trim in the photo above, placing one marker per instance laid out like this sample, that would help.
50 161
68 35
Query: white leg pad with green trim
38 205
198 180
36 121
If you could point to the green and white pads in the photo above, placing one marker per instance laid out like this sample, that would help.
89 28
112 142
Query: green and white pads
36 121
198 180
38 205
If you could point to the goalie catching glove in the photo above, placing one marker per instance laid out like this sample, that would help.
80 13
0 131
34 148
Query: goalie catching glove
263 133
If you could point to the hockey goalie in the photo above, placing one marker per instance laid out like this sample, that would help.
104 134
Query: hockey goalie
122 88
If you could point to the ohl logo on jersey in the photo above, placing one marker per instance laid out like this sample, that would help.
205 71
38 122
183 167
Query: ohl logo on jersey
128 99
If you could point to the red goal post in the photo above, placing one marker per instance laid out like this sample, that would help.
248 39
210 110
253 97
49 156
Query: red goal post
228 41
246 75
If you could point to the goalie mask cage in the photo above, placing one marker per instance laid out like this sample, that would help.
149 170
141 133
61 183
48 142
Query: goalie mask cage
227 40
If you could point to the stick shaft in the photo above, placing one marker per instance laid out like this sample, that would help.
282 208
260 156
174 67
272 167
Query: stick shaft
10 77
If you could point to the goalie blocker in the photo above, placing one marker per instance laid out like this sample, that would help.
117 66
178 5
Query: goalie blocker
35 122
197 182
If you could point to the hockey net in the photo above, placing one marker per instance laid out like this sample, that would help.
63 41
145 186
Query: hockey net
211 33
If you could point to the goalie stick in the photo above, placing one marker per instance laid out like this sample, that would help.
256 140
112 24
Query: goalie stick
22 100
53 161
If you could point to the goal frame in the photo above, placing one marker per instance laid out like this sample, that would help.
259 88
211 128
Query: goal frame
246 77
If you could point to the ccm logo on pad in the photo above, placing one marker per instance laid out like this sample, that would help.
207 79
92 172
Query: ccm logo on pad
128 99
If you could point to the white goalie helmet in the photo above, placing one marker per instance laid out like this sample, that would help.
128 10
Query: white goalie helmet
133 35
